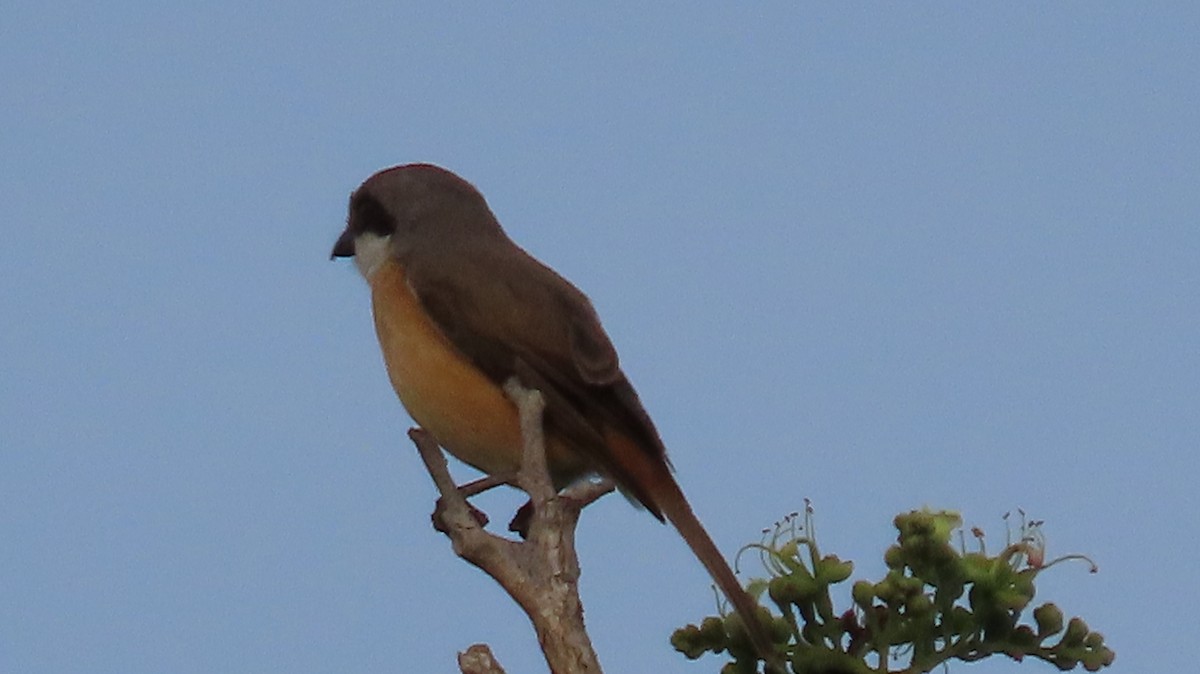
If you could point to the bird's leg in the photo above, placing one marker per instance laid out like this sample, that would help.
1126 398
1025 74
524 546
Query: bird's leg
485 483
579 495
475 487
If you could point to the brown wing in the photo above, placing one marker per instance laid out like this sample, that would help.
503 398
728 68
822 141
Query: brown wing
511 315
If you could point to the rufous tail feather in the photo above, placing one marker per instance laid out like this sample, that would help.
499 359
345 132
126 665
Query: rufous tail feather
675 506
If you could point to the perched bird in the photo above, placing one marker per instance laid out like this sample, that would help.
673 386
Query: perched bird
459 309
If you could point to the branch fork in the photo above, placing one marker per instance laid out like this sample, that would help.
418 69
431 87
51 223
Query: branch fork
542 572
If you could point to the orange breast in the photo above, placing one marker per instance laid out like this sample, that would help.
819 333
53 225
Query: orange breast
442 391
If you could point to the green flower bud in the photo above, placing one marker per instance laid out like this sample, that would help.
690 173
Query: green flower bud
691 642
712 630
739 639
779 628
863 594
1024 638
910 586
918 605
1049 619
903 521
1093 661
887 591
1076 631
793 589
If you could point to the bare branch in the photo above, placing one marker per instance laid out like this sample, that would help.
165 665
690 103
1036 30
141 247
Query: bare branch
542 572
478 659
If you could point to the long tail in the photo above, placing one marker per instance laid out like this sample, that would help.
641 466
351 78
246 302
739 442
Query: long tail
669 497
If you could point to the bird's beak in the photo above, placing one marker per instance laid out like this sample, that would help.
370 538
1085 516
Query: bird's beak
344 246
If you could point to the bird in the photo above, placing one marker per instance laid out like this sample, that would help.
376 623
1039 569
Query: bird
459 309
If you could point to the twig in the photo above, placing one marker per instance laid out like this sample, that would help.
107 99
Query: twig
478 659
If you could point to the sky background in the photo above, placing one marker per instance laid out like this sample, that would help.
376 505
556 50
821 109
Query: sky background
881 256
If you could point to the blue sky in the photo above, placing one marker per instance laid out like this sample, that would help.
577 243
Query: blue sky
879 256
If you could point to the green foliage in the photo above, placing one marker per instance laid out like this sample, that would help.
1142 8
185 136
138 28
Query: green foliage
936 603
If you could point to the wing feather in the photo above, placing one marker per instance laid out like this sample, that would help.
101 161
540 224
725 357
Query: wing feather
510 315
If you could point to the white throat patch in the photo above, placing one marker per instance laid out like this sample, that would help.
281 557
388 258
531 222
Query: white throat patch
370 252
